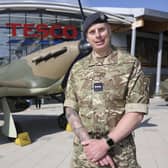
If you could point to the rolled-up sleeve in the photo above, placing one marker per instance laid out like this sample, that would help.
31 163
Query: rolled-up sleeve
70 95
138 91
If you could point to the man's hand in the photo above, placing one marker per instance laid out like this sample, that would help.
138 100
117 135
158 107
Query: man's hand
103 161
95 149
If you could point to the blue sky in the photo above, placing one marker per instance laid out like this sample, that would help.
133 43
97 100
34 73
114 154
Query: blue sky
151 4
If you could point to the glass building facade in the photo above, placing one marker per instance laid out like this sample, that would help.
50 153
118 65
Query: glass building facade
23 32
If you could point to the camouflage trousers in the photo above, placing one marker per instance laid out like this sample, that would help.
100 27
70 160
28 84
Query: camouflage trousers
123 155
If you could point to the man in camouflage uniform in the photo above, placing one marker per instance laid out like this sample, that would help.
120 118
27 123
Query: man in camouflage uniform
106 98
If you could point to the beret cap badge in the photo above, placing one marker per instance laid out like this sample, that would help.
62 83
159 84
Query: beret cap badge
102 16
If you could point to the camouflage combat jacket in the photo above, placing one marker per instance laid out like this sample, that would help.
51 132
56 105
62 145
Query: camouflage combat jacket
102 91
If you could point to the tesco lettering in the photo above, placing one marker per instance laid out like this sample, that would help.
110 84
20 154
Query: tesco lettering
56 31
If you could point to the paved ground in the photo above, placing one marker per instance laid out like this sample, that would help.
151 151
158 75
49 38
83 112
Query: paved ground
51 147
152 136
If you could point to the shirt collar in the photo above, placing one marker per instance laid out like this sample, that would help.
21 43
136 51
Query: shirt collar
110 59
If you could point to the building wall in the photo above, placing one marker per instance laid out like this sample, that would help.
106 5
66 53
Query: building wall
24 32
146 51
119 40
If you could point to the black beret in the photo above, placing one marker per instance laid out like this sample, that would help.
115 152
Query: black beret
97 17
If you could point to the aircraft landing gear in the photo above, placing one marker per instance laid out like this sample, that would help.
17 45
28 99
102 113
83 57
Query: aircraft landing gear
62 121
19 129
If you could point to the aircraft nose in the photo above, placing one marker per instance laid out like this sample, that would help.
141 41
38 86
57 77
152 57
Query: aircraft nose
85 47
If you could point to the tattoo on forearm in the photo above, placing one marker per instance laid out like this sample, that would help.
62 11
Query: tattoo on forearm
76 124
70 113
81 133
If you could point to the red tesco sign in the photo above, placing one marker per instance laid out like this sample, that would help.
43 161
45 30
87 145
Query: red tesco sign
56 31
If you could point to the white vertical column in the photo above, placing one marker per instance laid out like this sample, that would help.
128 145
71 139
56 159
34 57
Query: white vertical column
133 41
159 64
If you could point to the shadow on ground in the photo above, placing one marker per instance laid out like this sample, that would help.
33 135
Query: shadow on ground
36 125
146 123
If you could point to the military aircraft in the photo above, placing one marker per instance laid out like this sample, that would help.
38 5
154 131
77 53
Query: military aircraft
41 73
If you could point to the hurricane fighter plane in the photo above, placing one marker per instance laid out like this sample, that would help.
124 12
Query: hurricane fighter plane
41 73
